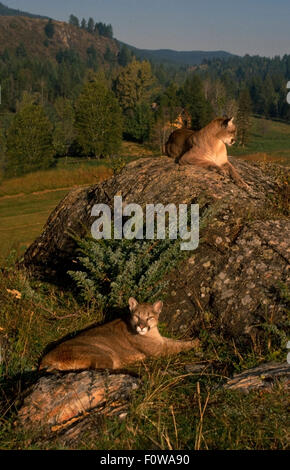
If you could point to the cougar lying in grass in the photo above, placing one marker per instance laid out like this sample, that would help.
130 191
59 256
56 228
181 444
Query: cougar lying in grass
116 344
206 147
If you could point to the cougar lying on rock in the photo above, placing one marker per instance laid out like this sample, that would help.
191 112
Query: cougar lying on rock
116 344
206 147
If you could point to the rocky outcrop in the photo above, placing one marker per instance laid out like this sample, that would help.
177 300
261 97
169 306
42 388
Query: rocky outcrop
58 401
265 376
233 279
234 286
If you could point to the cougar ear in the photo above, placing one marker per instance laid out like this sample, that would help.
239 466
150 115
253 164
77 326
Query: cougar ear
157 307
132 304
227 121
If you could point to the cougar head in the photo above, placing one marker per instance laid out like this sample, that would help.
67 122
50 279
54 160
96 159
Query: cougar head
144 317
227 134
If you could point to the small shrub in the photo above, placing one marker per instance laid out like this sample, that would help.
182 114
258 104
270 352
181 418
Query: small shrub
113 270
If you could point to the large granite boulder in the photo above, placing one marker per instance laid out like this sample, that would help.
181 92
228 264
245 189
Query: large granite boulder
233 279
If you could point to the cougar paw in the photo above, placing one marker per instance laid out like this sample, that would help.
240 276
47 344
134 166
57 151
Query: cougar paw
195 343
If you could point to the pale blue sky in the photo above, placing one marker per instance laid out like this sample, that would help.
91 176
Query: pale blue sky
244 26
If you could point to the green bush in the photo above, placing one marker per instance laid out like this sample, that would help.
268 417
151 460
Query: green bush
113 270
29 141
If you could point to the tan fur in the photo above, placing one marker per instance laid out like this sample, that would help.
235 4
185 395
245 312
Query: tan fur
206 147
116 344
178 143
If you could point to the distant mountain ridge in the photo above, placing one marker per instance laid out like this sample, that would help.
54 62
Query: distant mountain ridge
7 11
169 56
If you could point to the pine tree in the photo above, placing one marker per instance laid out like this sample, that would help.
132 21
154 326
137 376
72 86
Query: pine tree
194 101
104 30
92 61
258 97
109 31
29 141
170 102
109 56
243 117
165 116
91 25
138 123
83 24
49 29
134 84
270 97
98 120
125 56
73 20
21 51
64 132
2 152
27 99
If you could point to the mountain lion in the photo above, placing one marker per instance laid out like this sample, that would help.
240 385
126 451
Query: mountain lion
116 344
206 147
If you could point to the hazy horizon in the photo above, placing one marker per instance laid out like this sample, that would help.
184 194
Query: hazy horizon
247 28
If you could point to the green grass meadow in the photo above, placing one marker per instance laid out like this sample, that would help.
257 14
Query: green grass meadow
26 202
22 219
269 142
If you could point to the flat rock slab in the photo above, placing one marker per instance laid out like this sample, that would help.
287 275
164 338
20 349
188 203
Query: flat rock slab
261 377
57 401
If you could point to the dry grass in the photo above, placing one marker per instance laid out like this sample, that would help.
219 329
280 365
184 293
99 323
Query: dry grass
134 149
264 157
54 179
269 141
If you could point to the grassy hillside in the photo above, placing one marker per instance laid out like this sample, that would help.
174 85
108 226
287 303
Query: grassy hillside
7 11
30 32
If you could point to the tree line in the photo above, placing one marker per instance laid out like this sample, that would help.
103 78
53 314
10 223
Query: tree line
94 121
265 79
92 27
79 106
